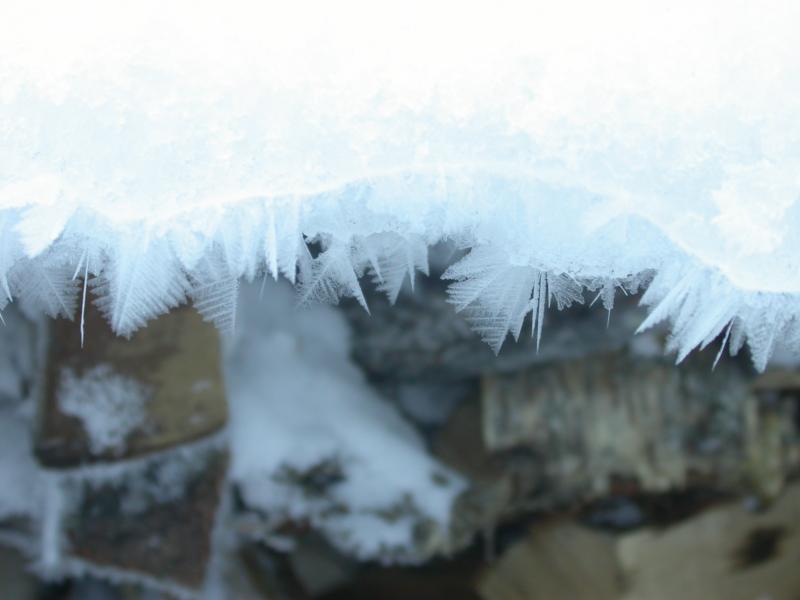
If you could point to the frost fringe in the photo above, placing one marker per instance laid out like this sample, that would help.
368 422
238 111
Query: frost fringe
137 272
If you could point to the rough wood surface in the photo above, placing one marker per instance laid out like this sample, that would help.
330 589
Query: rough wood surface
124 525
610 419
177 356
556 437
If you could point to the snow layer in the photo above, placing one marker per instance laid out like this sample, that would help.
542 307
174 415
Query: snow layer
167 151
311 441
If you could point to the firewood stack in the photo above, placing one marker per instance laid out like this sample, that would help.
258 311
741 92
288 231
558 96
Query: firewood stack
596 474
131 436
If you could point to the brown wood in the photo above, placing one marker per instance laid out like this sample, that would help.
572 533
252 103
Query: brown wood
166 540
177 356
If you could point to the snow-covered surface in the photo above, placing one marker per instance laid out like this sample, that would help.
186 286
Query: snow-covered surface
109 405
311 441
165 149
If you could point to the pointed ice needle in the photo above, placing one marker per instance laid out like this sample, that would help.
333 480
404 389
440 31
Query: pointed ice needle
83 305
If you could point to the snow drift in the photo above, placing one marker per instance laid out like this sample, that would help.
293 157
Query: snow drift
162 153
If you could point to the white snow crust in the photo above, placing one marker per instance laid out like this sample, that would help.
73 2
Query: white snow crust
167 151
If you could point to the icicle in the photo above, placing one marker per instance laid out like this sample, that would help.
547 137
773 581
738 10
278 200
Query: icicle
271 246
722 347
263 285
80 264
83 303
7 289
537 304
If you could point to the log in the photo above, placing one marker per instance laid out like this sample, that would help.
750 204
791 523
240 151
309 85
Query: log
174 361
152 525
597 422
560 436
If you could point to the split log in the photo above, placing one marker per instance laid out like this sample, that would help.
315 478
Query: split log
597 422
555 437
152 525
130 435
174 363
